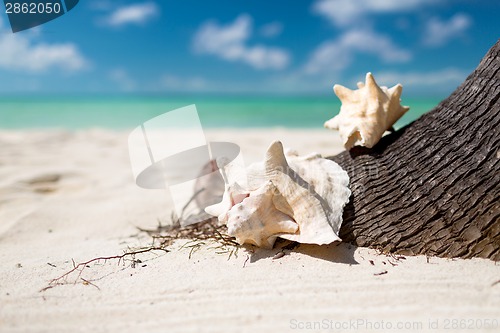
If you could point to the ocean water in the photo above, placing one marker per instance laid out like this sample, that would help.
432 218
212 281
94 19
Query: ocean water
127 113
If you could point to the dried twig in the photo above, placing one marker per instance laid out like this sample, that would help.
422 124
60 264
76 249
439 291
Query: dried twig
80 267
246 260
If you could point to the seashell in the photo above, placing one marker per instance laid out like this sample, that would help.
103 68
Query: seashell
328 180
309 190
234 193
366 113
257 221
306 192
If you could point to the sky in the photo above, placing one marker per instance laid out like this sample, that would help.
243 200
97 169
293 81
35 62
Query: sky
248 47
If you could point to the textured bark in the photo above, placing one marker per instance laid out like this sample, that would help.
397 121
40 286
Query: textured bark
433 187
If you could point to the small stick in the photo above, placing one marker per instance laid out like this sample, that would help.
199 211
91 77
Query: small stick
246 260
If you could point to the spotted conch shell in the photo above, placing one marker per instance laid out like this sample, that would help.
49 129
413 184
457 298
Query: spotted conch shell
366 113
257 221
300 198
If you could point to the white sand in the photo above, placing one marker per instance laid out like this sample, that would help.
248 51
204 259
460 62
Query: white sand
70 196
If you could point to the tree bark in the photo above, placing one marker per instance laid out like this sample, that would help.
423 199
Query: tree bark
433 187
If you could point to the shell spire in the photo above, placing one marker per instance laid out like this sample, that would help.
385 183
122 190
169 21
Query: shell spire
275 158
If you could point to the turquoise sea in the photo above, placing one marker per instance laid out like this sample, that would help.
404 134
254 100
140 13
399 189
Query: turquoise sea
128 112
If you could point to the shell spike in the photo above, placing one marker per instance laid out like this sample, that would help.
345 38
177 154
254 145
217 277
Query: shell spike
343 93
395 92
372 85
332 123
275 157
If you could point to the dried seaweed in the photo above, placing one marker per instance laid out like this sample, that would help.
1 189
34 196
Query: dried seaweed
208 232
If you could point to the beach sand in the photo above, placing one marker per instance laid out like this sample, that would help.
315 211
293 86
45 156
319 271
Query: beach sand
71 196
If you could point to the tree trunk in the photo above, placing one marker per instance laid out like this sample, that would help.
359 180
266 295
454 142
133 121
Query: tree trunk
433 187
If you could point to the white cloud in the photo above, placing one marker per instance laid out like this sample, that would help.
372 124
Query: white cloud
229 43
446 76
19 53
211 37
348 12
439 32
272 29
132 14
336 55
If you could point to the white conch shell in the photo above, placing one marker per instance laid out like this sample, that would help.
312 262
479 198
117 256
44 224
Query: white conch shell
317 222
310 191
257 221
366 113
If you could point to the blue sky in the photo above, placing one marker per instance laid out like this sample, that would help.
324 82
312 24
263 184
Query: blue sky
248 47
